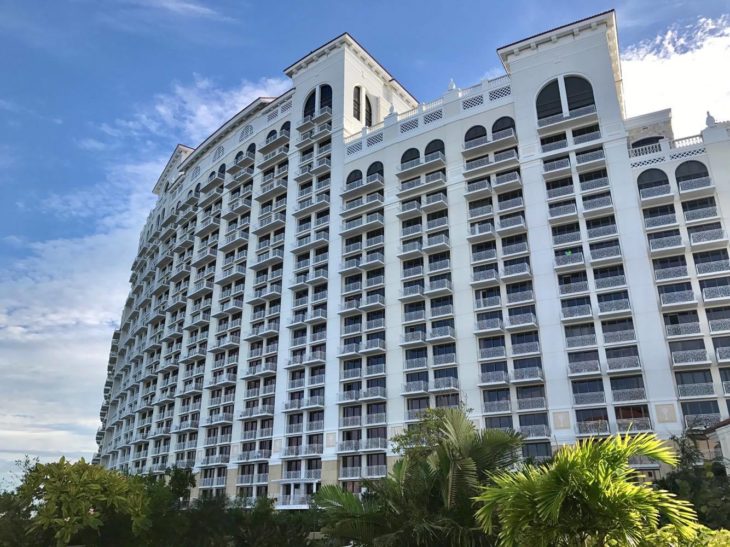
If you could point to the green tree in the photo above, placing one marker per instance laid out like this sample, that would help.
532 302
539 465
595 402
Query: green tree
426 499
587 496
165 496
260 525
705 484
78 501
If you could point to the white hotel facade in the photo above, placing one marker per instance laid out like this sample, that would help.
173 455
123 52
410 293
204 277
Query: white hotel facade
331 262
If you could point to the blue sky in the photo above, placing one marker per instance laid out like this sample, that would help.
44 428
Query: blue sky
94 95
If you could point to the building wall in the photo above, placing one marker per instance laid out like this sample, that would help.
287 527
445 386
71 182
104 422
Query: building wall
137 412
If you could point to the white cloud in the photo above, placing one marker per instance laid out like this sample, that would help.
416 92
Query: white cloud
59 303
183 8
91 144
685 68
58 308
190 112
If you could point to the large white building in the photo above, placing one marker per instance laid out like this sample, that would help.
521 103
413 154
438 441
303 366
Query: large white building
331 262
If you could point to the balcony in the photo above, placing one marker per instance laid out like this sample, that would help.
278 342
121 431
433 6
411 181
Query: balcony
497 407
659 221
497 377
714 294
678 299
422 184
623 364
536 431
485 165
694 215
615 306
628 395
619 336
708 239
690 357
497 352
590 398
580 368
676 272
414 167
484 144
529 374
696 390
682 329
701 421
633 425
580 341
594 427
556 168
712 267
656 194
565 262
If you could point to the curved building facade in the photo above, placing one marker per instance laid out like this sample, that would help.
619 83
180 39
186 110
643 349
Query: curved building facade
334 261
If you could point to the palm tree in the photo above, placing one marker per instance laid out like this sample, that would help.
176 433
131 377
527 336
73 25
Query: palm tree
587 496
426 500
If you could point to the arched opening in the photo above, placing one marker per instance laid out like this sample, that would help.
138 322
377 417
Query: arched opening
356 102
251 150
474 133
238 157
579 92
271 135
190 193
354 176
310 104
548 101
197 188
179 204
222 170
502 126
376 168
652 178
285 128
412 154
646 141
325 97
434 147
368 112
211 176
690 170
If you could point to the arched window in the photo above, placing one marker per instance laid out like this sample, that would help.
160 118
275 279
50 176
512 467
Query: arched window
356 102
410 155
285 128
310 104
646 141
502 124
325 96
197 188
375 168
690 170
271 135
251 148
548 101
190 193
434 147
177 207
222 169
368 112
651 178
238 157
475 132
579 92
354 176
